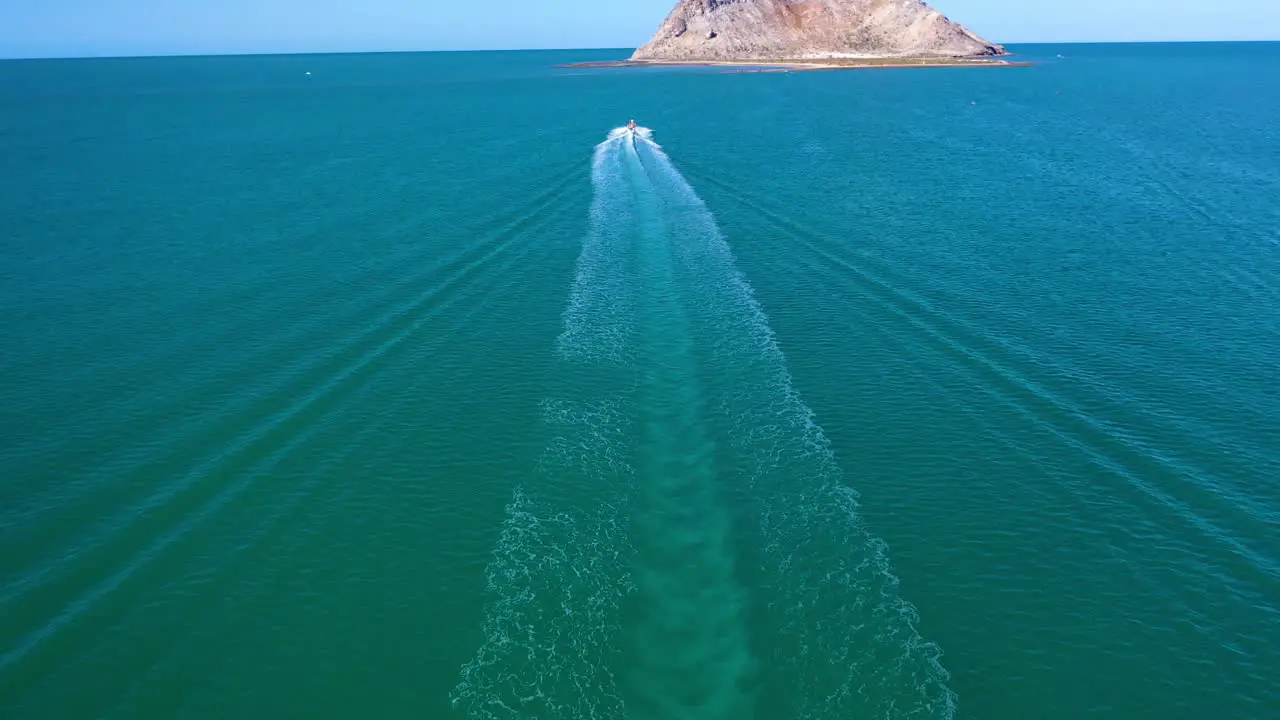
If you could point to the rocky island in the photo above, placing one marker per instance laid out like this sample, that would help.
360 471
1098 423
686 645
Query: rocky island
813 34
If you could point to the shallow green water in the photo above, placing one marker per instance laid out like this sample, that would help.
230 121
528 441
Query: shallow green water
400 389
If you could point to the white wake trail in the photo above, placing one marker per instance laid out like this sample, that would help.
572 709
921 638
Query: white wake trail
598 322
674 392
846 641
642 133
562 564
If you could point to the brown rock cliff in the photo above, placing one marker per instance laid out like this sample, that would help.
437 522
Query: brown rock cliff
807 29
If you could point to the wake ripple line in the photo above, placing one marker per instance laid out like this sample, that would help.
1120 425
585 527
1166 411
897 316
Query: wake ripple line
360 358
912 309
345 380
462 262
198 611
174 644
1063 494
275 523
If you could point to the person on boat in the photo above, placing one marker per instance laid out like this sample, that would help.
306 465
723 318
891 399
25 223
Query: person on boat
631 125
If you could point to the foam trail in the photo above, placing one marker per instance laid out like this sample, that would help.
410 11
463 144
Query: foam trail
642 133
562 565
663 346
597 322
845 643
653 553
689 658
555 582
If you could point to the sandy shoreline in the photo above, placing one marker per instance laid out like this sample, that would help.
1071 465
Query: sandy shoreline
755 66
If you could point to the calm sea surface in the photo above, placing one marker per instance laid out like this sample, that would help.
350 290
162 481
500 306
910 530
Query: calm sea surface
394 386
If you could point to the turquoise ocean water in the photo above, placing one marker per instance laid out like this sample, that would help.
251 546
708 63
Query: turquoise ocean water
403 388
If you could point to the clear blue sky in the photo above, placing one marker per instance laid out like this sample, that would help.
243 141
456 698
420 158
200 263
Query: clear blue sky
45 28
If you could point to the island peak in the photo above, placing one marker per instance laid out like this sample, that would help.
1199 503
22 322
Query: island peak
810 30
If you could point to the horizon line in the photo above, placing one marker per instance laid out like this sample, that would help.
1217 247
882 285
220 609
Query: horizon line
285 53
